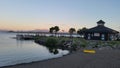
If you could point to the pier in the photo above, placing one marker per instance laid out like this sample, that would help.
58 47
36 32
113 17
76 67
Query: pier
32 35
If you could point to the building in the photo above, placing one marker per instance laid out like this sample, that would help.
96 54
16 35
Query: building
100 32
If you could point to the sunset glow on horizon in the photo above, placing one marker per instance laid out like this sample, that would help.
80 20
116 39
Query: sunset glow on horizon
43 14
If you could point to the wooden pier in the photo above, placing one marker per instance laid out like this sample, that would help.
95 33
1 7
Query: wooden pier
32 35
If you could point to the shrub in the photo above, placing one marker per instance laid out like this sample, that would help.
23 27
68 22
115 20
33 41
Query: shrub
74 46
83 43
51 42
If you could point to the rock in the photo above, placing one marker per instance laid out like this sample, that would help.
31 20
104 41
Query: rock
41 42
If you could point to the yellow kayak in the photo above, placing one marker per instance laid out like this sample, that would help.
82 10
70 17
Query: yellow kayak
89 51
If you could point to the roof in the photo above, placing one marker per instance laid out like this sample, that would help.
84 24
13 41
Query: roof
101 22
101 29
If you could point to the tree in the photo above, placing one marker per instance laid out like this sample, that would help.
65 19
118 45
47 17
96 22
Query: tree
51 30
82 31
71 31
56 28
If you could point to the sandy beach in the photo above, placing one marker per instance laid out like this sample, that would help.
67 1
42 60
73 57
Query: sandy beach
101 59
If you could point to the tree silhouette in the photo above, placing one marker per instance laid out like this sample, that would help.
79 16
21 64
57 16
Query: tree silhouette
56 28
82 31
71 31
51 30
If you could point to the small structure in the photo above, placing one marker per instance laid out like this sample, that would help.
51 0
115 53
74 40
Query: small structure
100 32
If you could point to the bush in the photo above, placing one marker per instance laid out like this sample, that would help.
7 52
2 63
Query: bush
51 42
83 43
74 46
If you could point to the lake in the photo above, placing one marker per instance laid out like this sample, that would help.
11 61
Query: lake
14 51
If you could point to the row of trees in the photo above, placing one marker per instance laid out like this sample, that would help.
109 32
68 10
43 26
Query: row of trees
55 29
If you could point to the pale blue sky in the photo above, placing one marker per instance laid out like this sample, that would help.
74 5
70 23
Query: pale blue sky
43 14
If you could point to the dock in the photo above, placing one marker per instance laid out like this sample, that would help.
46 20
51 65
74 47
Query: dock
32 35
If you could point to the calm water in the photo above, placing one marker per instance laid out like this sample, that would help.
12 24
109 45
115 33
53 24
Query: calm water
14 51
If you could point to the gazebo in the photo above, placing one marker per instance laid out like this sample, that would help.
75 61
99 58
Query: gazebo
100 32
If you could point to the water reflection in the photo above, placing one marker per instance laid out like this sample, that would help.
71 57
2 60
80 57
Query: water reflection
21 43
53 50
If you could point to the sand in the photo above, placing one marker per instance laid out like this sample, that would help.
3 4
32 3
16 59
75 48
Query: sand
101 59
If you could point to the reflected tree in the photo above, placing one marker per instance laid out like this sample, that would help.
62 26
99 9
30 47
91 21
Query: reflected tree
51 44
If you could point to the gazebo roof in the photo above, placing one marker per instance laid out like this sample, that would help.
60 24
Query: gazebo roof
101 22
101 29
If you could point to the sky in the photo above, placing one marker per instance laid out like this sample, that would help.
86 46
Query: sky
43 14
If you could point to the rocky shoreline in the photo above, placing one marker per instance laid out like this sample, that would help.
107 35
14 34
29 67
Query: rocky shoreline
73 44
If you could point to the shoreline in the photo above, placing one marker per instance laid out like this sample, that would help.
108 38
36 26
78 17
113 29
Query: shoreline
101 59
45 60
